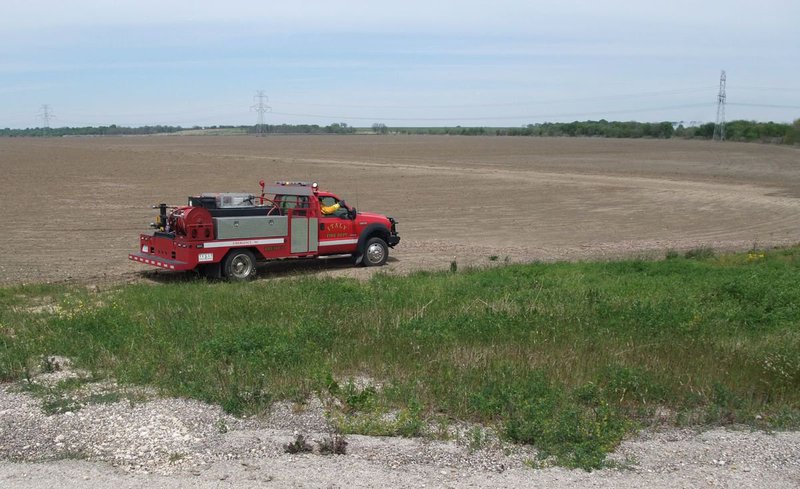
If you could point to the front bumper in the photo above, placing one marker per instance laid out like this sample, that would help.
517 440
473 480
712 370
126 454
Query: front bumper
393 237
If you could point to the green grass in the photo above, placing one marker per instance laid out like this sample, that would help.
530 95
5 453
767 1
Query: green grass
569 357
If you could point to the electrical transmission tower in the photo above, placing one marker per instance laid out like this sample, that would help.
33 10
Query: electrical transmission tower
719 127
260 107
46 114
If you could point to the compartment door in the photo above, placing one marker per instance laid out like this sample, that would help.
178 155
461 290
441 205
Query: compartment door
300 235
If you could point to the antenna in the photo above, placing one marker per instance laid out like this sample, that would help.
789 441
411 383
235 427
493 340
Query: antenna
719 127
356 182
260 106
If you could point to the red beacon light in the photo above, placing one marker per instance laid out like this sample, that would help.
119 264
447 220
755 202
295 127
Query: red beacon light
262 184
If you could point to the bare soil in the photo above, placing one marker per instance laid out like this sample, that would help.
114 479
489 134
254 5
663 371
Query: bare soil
73 207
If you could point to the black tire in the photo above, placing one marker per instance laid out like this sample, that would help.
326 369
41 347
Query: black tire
376 252
240 265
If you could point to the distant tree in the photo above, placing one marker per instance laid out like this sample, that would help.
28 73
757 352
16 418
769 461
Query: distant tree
340 128
705 131
793 133
380 128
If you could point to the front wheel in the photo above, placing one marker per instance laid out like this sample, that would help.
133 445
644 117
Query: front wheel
375 252
240 265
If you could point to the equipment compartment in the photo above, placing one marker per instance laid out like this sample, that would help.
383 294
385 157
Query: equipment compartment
251 227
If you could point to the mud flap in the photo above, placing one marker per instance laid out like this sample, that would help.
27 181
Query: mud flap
212 270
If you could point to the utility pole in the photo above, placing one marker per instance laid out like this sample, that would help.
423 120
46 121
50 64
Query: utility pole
260 107
46 114
719 127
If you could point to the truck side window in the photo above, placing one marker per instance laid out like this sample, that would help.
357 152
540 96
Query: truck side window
298 204
302 206
331 201
327 201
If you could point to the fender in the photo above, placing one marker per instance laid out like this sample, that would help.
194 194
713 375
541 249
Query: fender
374 229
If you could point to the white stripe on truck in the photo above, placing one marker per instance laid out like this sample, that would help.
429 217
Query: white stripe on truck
337 242
243 242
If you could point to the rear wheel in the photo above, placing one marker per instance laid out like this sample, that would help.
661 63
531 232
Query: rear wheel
375 252
240 265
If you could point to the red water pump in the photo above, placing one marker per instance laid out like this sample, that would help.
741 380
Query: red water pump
195 223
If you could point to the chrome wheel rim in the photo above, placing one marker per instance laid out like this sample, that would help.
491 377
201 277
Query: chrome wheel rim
375 253
241 266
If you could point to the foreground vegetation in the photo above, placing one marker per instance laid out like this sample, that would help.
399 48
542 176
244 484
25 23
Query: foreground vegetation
569 357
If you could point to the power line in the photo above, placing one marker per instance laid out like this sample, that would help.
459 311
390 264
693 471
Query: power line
719 127
766 89
769 106
511 104
260 107
187 111
523 116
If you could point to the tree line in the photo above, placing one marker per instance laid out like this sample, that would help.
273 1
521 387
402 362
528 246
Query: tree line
335 128
112 130
740 130
115 130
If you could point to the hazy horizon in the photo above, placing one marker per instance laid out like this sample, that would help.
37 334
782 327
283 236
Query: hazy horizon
468 63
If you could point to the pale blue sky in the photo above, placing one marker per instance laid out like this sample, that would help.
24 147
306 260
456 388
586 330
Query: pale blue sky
490 63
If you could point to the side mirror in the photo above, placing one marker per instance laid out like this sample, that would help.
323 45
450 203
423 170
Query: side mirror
352 213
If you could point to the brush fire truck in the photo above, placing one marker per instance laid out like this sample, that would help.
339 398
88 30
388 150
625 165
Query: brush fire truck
226 234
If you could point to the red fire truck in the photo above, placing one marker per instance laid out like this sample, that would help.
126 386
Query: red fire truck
226 234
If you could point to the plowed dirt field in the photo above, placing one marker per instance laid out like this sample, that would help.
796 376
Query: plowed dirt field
73 207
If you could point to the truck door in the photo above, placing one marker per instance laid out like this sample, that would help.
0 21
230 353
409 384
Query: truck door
302 224
336 231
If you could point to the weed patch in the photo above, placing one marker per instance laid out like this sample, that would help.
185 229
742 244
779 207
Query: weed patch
299 445
335 444
568 357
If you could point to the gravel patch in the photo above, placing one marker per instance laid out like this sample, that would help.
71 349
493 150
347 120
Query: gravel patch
138 439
